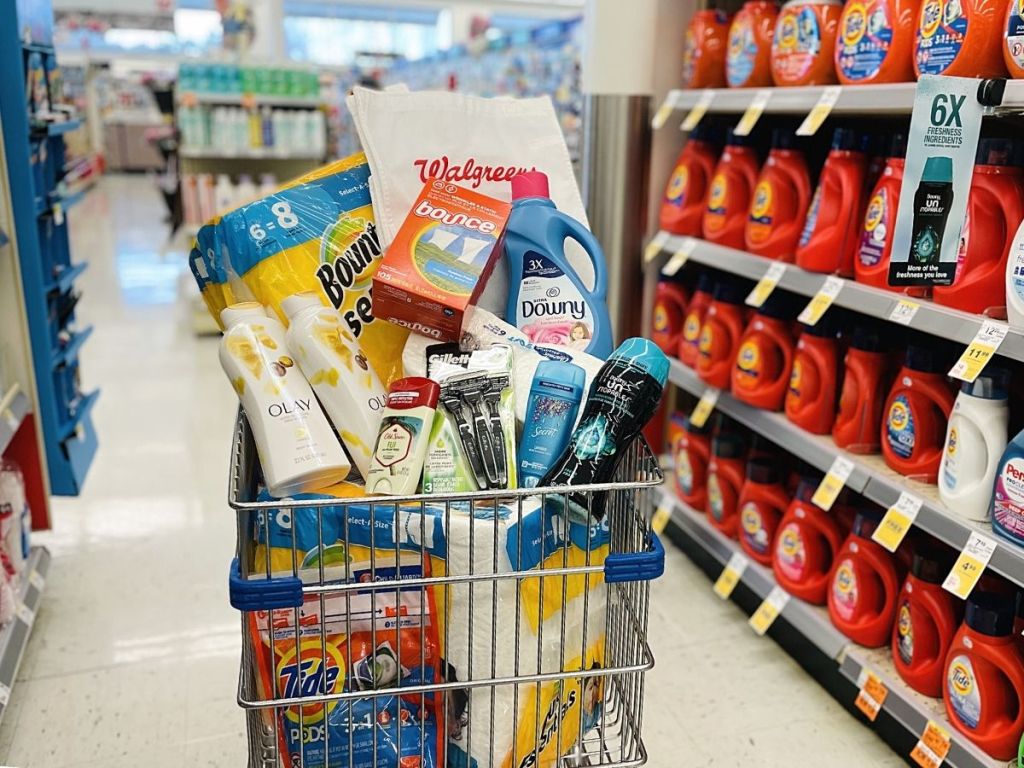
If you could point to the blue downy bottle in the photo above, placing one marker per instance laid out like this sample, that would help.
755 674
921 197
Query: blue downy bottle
1008 493
555 397
547 301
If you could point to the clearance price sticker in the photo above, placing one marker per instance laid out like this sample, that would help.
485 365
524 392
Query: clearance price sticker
731 575
932 747
872 694
753 113
769 610
821 301
702 410
660 518
760 293
979 351
680 257
970 565
699 110
833 483
904 311
664 112
897 521
820 111
655 246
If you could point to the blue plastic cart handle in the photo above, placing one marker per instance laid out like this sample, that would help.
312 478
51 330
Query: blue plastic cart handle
641 566
263 594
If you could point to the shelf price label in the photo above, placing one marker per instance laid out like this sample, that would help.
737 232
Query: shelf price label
821 301
702 410
970 565
760 293
820 111
769 610
904 311
753 113
680 257
36 580
25 613
58 214
932 747
731 575
833 482
5 694
872 694
660 518
11 420
984 345
654 247
897 521
664 112
700 109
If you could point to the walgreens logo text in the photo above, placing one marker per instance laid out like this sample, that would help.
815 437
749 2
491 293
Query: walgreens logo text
443 168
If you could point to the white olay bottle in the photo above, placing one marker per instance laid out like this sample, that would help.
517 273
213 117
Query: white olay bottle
297 447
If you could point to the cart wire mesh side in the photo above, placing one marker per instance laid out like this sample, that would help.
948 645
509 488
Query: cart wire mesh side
497 629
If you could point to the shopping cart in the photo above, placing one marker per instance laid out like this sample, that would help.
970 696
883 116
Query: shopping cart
499 629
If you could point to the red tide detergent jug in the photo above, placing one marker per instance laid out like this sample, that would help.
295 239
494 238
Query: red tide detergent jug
721 331
762 503
959 38
995 207
764 357
704 50
813 383
689 340
985 676
725 479
805 38
748 59
682 208
871 266
865 583
670 301
867 377
875 41
728 201
831 231
916 411
780 201
805 545
927 617
690 455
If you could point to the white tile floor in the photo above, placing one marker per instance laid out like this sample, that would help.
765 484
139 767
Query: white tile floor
134 657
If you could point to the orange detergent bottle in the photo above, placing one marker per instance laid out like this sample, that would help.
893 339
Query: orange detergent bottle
695 311
683 205
690 455
916 411
831 231
804 42
780 200
748 58
728 201
763 501
984 686
1013 39
805 545
704 50
669 313
875 42
927 617
725 479
866 380
995 207
960 38
871 266
865 584
764 359
811 396
720 333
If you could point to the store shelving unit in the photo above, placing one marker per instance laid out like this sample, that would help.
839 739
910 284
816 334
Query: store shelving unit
14 636
208 153
240 99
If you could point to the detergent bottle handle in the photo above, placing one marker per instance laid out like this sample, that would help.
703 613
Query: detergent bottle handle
884 568
937 610
568 227
1014 674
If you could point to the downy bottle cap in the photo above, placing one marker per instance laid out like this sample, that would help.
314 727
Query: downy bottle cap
238 313
530 184
938 170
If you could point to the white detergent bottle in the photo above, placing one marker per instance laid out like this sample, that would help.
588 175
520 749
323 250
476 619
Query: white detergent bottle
1015 280
333 362
975 439
296 445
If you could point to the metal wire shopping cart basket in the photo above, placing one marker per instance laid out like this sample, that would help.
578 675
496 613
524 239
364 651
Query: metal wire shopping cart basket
498 629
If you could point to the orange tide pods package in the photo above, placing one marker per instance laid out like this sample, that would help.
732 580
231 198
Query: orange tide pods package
804 42
876 41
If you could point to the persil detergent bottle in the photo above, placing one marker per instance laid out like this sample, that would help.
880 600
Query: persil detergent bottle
764 359
732 186
780 200
546 297
995 208
682 208
805 545
831 232
689 340
721 331
984 690
690 456
748 58
1008 494
763 501
867 376
975 441
927 617
725 479
959 38
875 43
813 383
670 301
916 412
704 50
865 584
804 41
871 266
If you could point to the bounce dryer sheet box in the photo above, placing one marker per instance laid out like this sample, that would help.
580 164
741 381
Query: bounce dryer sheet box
439 262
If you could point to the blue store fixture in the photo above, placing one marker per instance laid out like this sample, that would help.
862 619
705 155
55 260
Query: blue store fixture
35 155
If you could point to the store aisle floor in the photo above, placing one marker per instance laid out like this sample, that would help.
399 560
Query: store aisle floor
134 657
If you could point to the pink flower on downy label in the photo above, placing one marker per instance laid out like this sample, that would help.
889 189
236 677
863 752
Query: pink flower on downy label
548 333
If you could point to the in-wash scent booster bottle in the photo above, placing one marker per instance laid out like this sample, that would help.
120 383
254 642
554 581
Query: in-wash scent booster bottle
725 480
805 546
764 357
959 38
402 442
545 293
296 445
689 341
780 200
931 208
670 302
732 186
762 503
690 456
720 333
1008 494
551 410
875 43
704 50
804 41
975 441
831 232
748 58
813 383
682 207
871 266
867 377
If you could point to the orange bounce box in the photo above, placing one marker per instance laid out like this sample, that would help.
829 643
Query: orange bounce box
439 262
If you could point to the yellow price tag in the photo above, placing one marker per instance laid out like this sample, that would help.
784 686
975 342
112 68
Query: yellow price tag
660 519
699 110
897 521
680 257
753 112
932 747
664 112
769 610
833 482
821 301
970 565
904 311
730 575
654 247
58 214
820 111
760 293
979 351
706 404
871 696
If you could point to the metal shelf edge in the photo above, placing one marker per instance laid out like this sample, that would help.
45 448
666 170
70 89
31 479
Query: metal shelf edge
894 98
14 637
259 99
17 407
192 153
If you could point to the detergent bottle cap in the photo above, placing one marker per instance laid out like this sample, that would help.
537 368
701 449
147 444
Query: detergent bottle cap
931 563
809 482
825 328
735 140
645 355
924 359
783 138
728 445
865 521
868 338
706 131
993 384
938 169
297 302
780 305
704 283
898 145
845 139
994 151
693 429
763 469
238 313
730 291
990 613
530 184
